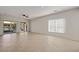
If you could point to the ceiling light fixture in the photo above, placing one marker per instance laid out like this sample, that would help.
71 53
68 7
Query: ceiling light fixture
25 16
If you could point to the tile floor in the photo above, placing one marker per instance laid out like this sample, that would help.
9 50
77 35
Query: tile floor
33 42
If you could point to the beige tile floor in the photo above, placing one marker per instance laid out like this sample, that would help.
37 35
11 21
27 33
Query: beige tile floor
33 42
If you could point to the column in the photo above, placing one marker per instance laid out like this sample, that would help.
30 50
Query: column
18 26
1 27
29 25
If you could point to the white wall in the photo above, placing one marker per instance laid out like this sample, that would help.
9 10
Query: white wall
40 25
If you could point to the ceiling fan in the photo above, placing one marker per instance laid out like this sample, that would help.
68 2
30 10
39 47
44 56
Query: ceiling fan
26 16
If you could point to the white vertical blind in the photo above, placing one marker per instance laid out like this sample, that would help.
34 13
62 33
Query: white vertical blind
57 25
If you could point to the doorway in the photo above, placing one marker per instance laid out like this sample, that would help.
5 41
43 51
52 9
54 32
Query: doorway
9 27
23 27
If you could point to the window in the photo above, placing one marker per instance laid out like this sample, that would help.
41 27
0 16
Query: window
57 25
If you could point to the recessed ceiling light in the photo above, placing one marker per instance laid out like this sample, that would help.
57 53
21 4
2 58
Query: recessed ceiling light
42 6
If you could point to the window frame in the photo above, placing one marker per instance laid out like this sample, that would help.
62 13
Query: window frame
57 23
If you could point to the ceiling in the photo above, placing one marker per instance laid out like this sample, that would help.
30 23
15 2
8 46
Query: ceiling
32 11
